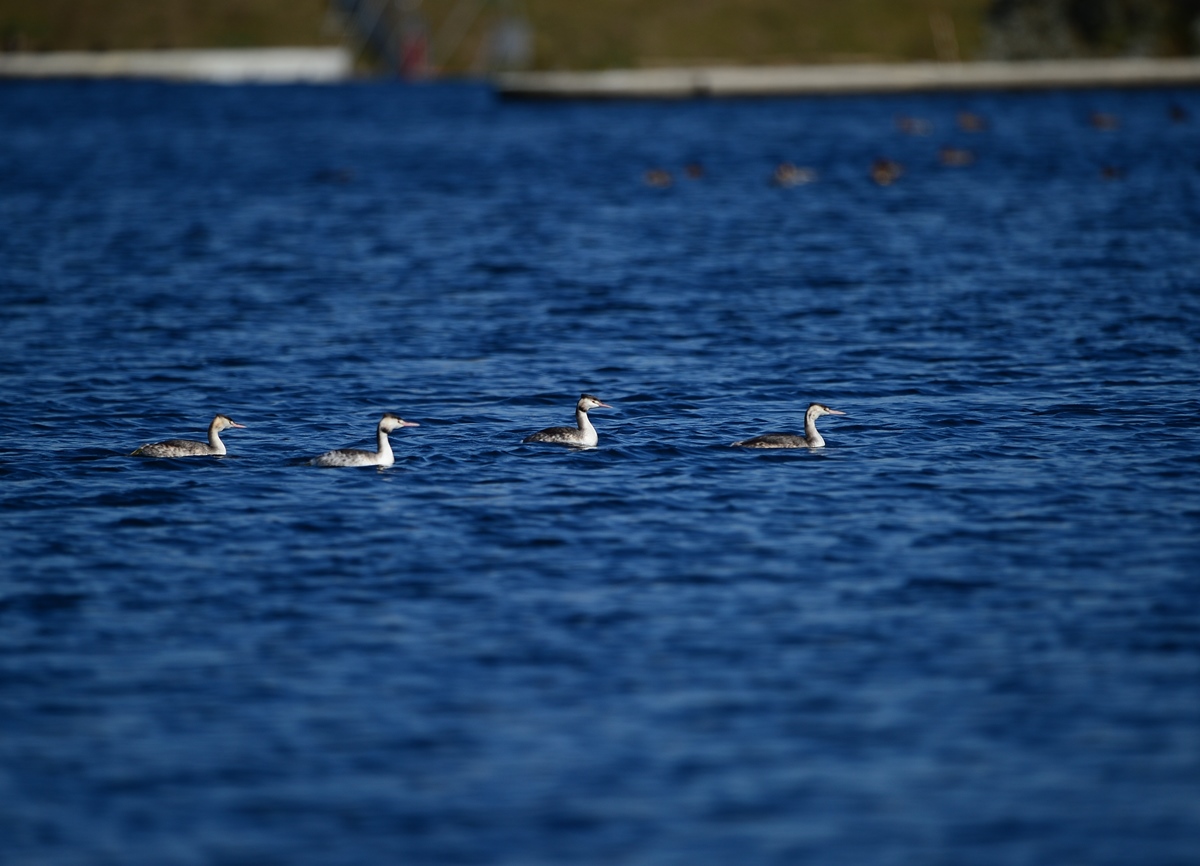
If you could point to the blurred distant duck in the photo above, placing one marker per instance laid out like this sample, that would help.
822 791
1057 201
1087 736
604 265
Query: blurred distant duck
790 174
955 156
810 439
214 447
913 125
583 436
885 172
968 121
359 457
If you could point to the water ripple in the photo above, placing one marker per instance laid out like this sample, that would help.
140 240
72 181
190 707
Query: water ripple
964 631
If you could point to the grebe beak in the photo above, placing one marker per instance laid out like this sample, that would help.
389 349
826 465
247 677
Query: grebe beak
409 424
833 411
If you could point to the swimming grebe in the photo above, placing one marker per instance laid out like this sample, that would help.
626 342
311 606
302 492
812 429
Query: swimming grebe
810 439
214 447
584 435
359 457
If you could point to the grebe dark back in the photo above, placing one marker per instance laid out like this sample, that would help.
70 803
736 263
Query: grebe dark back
214 447
582 436
359 457
810 439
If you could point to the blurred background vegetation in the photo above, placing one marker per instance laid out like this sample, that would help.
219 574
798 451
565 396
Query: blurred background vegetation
109 25
465 36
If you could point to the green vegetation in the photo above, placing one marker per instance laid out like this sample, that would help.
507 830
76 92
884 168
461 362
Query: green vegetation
1024 29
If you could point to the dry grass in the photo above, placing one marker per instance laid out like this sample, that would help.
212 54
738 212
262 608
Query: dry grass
615 33
91 25
584 34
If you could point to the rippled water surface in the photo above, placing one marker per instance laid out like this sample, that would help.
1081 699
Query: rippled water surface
966 631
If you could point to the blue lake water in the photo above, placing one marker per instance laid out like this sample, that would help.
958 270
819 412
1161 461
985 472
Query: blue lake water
966 631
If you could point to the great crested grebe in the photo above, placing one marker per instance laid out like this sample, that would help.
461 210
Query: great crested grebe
583 436
214 447
810 439
359 457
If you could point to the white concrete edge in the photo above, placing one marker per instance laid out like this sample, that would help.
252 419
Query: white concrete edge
264 65
855 78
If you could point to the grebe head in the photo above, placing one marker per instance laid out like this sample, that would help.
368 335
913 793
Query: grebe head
816 410
224 422
589 401
390 422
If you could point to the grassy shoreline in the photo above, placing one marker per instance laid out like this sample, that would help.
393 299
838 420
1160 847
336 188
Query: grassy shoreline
596 35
